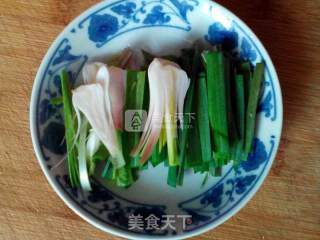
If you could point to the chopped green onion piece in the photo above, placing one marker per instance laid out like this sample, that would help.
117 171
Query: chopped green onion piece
245 70
217 104
109 171
202 168
252 105
106 169
218 172
232 129
144 166
82 156
135 173
69 124
194 151
135 91
156 157
124 176
240 104
184 136
180 176
101 154
203 119
240 117
141 81
194 158
172 176
171 133
194 65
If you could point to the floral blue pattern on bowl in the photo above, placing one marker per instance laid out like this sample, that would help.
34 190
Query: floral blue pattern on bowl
122 16
160 26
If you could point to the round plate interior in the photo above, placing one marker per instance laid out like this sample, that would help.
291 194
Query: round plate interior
161 27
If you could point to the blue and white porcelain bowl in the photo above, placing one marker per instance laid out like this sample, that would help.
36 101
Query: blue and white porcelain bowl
161 27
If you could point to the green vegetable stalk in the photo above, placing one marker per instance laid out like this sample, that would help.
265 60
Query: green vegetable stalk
252 105
70 131
217 104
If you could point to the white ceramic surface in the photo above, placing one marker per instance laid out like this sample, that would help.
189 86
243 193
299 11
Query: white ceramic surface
161 27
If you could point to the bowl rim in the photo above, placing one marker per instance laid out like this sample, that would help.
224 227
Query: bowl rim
111 229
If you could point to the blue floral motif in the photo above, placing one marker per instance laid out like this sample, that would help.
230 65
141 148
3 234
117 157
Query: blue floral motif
57 84
64 181
247 52
265 104
49 115
46 111
110 208
53 138
218 34
209 205
197 217
256 157
183 7
101 27
99 194
126 9
242 183
157 16
118 217
124 16
213 197
64 55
